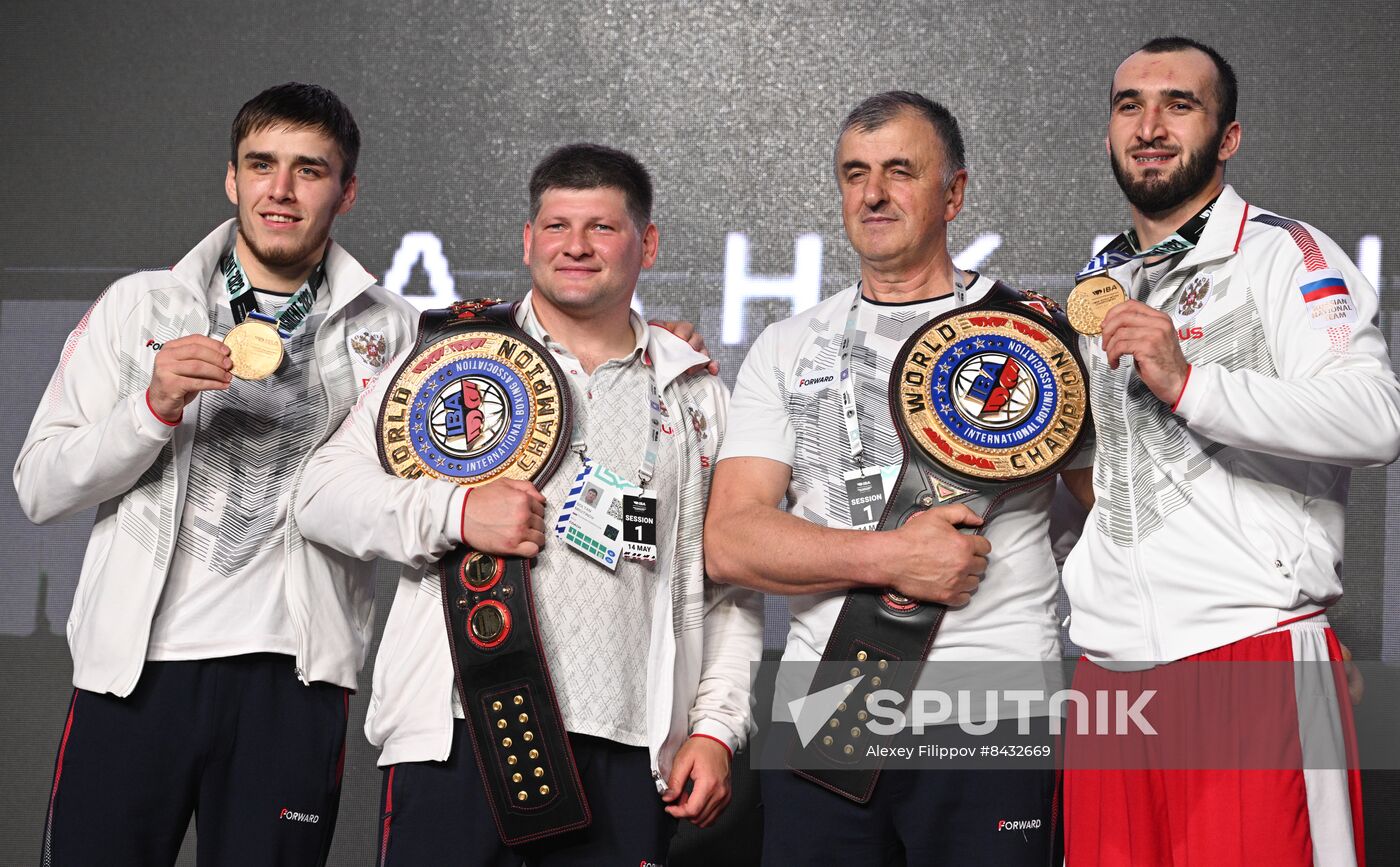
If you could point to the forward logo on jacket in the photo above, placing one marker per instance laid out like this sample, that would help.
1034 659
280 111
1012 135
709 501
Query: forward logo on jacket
815 381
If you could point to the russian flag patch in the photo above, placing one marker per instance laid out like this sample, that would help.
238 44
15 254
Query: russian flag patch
1317 285
1328 302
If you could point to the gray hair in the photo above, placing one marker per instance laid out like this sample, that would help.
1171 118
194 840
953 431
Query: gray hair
878 110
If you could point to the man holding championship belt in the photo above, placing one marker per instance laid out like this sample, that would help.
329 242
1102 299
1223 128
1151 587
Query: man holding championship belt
814 421
1237 384
609 629
213 649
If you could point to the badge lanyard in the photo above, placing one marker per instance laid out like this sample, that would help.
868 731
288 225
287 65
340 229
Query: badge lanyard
848 386
648 467
590 526
1124 248
245 306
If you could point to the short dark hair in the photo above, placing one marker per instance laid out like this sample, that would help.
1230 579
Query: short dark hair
1227 88
299 106
586 166
878 110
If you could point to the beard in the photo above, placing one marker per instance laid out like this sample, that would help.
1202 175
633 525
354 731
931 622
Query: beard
1159 193
282 255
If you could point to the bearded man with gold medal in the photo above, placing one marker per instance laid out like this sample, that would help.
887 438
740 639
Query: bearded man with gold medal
558 681
1237 374
913 403
213 647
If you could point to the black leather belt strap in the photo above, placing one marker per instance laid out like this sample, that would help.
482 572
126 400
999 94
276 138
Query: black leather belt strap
502 677
878 628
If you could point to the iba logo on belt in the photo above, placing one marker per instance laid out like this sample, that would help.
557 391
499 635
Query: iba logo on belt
992 395
472 409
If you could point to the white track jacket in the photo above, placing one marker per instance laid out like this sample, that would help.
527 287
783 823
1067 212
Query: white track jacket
704 635
91 444
1223 516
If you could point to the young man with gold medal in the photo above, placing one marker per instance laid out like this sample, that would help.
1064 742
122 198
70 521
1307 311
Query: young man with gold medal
214 649
1236 380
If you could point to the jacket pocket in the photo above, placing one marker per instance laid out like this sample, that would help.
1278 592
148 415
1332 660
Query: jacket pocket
94 568
413 679
1272 523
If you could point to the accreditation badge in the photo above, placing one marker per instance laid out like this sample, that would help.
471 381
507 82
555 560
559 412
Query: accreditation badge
639 526
867 490
593 526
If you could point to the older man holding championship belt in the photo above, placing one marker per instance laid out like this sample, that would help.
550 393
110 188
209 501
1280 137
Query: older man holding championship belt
911 403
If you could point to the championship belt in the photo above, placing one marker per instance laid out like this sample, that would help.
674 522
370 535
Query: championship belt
988 399
477 400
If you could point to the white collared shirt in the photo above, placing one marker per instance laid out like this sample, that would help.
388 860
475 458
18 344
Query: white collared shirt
595 623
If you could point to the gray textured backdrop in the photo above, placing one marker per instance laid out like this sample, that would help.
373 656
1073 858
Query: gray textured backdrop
115 138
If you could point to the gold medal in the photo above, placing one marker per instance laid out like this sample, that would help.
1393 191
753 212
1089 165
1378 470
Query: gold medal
1090 302
256 349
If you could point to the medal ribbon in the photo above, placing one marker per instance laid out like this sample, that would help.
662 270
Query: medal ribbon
244 305
848 386
1124 248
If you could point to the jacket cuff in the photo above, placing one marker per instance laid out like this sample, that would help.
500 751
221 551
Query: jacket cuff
1188 400
148 421
716 731
455 525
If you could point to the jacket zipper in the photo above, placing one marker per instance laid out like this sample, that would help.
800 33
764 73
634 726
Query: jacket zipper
175 499
1134 565
681 453
1149 624
1149 611
326 431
